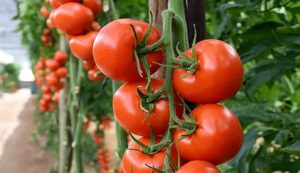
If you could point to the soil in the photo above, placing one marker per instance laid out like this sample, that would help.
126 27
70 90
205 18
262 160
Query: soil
18 152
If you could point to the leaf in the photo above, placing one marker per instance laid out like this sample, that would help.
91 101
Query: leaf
254 52
293 149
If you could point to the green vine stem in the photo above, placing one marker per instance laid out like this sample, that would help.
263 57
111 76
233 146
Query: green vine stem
179 23
62 119
121 133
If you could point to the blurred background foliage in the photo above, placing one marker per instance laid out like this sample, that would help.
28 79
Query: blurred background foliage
9 77
266 33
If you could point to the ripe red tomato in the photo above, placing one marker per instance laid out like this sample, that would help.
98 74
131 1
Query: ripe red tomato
51 107
45 89
52 64
60 85
44 11
73 18
82 46
61 72
218 138
46 32
61 56
114 49
43 103
127 110
94 5
88 65
95 75
44 39
54 3
135 161
95 26
47 97
66 1
39 80
51 79
56 96
198 166
219 76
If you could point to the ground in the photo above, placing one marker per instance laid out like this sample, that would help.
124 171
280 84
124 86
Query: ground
18 152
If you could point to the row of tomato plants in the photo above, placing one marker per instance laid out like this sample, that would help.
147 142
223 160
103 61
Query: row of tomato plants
178 119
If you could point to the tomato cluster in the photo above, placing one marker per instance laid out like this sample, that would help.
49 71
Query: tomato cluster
76 19
49 74
216 134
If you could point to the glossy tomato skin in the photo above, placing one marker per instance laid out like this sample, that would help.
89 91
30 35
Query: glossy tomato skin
95 75
94 5
52 64
61 72
82 46
135 161
45 89
88 65
219 76
198 166
61 56
44 12
73 18
126 107
52 80
114 49
218 138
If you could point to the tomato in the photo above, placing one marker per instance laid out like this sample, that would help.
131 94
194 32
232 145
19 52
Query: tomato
198 166
219 76
43 103
52 64
44 11
73 18
127 110
60 85
135 161
45 89
82 46
47 97
67 1
44 39
218 137
95 26
51 107
46 32
51 79
114 49
61 72
95 75
88 65
61 56
56 96
54 3
39 80
94 5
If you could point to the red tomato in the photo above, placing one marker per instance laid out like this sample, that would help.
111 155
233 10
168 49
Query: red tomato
94 5
218 138
39 80
135 161
82 46
61 56
52 64
61 72
95 26
114 49
219 76
60 85
88 65
43 103
73 18
127 110
45 89
51 79
46 32
56 96
55 3
95 75
198 166
47 97
44 11
51 107
44 39
66 1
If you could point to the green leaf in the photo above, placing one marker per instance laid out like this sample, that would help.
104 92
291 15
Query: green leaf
293 149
